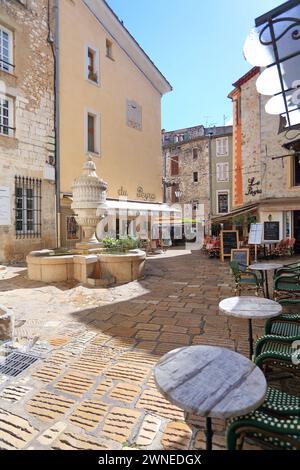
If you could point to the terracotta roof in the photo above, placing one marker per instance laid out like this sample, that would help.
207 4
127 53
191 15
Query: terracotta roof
245 78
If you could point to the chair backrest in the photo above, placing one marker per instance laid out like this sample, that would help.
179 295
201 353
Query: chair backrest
237 268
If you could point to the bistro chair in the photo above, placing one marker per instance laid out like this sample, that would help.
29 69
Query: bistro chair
279 352
287 324
287 284
276 424
243 277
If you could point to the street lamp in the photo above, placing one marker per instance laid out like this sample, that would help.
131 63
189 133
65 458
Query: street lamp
178 194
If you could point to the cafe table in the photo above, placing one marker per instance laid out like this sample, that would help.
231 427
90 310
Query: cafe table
210 381
264 268
250 308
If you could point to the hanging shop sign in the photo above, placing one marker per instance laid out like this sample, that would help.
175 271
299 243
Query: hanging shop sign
140 194
274 46
253 187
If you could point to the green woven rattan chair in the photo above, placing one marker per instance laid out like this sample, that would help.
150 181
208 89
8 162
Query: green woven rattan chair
287 268
276 424
287 286
283 325
277 351
245 278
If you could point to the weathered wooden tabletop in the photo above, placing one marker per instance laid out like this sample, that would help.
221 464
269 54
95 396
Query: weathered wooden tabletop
250 307
210 381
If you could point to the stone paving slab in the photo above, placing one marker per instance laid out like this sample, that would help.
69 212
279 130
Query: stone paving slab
93 386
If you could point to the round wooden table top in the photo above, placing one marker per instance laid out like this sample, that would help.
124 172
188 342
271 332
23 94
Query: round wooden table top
210 381
265 266
250 307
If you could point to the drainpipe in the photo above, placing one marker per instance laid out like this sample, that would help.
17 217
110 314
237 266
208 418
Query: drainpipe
54 43
165 177
210 208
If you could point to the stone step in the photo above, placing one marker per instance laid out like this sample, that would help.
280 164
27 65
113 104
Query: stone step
104 282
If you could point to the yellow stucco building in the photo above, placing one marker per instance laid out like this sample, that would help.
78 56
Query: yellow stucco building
109 107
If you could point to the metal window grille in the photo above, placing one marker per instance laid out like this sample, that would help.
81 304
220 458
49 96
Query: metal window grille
28 200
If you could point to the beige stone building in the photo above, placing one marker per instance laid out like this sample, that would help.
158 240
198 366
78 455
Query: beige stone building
267 180
109 108
27 175
197 168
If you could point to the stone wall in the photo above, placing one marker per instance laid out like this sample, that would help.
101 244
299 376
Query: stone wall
191 191
25 153
261 142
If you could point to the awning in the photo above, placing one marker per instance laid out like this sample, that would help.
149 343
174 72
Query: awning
240 211
132 206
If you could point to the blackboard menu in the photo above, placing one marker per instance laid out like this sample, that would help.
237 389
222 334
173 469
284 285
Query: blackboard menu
271 231
229 241
240 256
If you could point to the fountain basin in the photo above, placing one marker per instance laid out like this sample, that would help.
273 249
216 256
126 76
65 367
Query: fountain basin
95 268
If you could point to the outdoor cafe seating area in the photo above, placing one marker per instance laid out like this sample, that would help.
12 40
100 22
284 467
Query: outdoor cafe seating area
285 247
258 407
276 422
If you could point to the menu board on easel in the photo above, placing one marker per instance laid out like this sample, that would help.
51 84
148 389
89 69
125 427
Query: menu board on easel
229 241
255 234
271 232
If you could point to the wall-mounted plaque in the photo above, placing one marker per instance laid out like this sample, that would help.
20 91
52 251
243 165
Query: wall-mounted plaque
5 216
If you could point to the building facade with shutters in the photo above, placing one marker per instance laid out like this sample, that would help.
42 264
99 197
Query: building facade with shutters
27 173
197 168
266 168
110 108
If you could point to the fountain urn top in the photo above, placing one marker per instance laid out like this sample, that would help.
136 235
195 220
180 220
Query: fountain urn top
88 190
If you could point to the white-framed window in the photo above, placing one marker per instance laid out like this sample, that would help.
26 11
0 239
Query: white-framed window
133 115
92 69
6 116
222 146
222 170
92 132
6 50
222 202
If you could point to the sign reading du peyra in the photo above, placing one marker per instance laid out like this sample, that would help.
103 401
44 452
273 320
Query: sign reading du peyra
5 216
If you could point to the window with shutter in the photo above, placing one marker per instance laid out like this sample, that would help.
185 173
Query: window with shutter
222 170
222 146
92 65
174 166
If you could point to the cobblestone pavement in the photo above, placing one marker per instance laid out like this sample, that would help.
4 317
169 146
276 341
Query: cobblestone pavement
92 386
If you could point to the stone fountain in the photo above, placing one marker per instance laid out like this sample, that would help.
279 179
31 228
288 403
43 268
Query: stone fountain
89 263
88 192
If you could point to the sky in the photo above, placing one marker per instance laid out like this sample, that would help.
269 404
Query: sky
198 47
